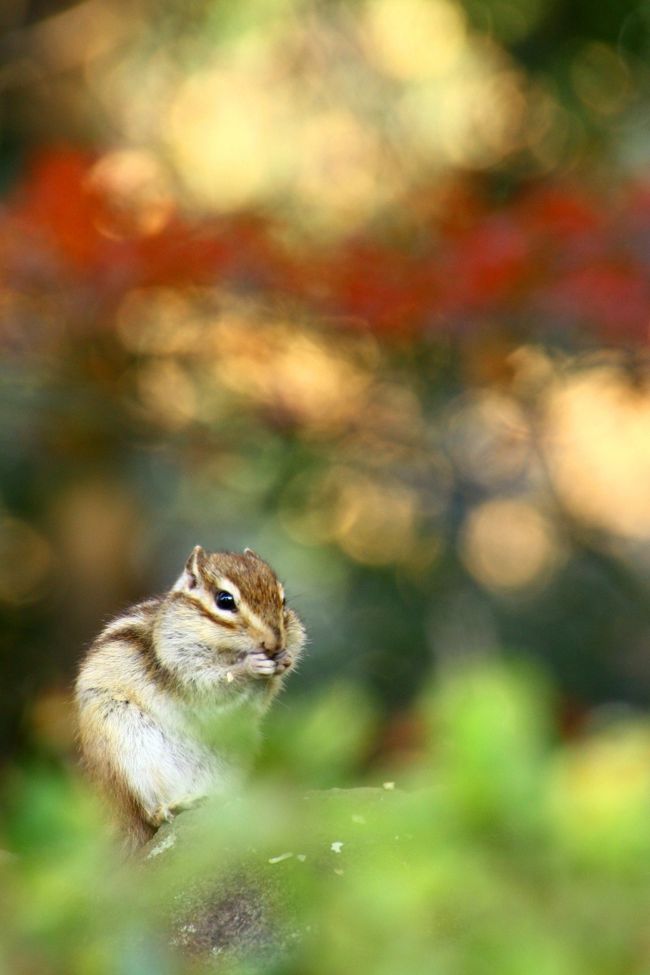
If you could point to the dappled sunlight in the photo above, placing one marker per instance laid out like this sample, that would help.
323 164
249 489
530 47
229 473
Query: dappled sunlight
597 443
414 40
166 394
221 131
161 322
509 545
327 116
305 378
137 191
374 523
489 438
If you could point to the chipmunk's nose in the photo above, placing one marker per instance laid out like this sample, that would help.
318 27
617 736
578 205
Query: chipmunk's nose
271 644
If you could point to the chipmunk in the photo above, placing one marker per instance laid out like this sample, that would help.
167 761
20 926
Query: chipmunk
171 693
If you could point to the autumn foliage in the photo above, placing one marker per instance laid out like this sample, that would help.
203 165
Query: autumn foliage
554 258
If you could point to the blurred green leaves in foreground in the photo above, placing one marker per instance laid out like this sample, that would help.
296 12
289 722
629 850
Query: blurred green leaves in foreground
494 849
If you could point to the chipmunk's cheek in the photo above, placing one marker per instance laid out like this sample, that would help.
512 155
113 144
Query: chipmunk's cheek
235 647
244 644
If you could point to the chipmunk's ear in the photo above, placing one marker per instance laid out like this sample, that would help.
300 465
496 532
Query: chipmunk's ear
253 554
189 577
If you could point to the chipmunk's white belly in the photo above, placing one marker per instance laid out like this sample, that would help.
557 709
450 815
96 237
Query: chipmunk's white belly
166 763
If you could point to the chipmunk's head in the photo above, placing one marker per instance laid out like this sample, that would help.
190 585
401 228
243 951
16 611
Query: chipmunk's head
227 604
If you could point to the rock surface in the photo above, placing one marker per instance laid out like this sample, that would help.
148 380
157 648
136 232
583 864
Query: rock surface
254 908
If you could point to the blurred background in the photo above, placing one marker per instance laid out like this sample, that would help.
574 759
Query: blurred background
365 286
362 285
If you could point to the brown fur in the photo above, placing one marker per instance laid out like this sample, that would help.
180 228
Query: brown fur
153 670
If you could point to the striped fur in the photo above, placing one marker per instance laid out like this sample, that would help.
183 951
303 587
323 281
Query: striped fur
163 685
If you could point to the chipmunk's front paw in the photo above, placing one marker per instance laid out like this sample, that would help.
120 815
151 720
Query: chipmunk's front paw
283 662
259 665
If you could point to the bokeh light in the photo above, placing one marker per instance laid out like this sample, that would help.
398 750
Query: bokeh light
366 287
508 545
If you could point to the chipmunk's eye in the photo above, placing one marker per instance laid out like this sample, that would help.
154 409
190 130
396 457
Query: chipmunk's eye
225 600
